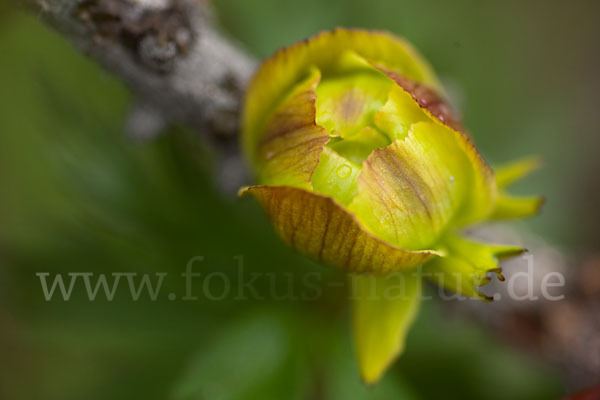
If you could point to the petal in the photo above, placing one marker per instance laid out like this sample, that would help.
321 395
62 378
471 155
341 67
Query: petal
483 191
426 97
336 177
410 191
360 146
347 102
286 67
320 228
289 151
480 201
466 265
383 309
398 114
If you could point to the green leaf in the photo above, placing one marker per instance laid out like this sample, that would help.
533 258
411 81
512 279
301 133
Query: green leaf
248 360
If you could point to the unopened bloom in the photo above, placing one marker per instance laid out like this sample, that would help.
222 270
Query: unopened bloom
363 166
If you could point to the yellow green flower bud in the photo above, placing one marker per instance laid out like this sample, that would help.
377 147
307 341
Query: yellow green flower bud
362 165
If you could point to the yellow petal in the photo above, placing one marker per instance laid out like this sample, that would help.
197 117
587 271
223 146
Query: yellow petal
320 228
346 102
360 146
411 190
336 176
383 309
398 114
480 202
286 67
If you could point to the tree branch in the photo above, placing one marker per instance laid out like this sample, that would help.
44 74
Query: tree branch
168 52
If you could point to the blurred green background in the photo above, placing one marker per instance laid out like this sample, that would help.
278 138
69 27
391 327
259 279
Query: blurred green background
77 196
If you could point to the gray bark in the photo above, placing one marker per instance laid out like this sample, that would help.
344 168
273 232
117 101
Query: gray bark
181 69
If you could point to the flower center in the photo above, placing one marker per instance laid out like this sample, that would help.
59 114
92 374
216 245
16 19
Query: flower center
346 105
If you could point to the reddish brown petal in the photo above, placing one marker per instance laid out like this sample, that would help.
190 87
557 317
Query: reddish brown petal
318 227
289 152
426 98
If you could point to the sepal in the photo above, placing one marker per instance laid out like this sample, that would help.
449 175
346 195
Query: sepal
509 206
383 310
466 265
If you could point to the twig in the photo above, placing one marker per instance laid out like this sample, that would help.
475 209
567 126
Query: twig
169 53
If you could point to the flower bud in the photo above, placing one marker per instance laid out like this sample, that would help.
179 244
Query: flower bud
362 165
